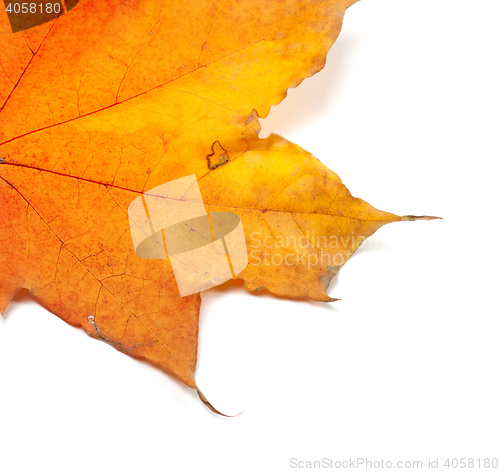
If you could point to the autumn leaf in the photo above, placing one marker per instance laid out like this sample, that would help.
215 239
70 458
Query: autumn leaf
115 98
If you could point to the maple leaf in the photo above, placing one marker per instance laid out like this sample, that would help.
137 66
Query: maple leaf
115 98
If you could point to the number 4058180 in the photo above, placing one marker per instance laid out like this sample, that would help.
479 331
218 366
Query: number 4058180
33 8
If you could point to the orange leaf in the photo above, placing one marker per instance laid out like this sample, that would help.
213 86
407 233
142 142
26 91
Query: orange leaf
113 99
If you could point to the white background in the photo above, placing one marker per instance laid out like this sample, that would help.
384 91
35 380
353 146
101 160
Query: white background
404 367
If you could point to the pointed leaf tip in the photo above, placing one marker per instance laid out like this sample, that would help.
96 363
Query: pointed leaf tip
211 407
414 218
